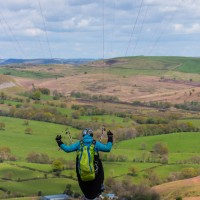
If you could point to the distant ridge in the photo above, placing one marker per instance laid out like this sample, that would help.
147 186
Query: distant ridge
75 61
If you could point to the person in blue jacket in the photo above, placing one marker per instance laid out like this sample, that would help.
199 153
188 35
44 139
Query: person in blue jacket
90 189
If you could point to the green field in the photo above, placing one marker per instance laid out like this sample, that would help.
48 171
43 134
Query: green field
21 178
187 142
142 65
137 65
22 175
28 74
41 140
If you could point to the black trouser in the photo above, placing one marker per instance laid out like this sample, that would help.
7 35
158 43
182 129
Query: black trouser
92 189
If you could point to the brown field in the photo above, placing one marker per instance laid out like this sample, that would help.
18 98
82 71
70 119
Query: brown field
187 188
128 89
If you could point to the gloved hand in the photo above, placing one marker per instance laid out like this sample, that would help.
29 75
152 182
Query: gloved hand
110 136
59 140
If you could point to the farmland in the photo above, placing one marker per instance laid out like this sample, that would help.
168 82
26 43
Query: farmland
42 140
142 86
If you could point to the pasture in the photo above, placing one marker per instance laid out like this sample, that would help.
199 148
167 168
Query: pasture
19 176
144 79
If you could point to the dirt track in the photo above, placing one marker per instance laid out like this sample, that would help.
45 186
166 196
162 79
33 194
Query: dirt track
7 85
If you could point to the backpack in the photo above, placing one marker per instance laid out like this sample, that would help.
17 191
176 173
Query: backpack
86 161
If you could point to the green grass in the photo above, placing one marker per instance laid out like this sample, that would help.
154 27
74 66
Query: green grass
15 172
190 66
42 140
106 118
28 74
43 135
38 167
63 111
47 186
181 146
12 103
187 142
140 65
195 122
165 170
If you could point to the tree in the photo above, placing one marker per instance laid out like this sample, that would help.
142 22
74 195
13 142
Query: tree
38 158
39 193
189 172
160 148
36 95
68 190
44 158
28 130
153 177
2 126
5 153
33 157
2 96
133 171
26 123
75 115
57 165
45 91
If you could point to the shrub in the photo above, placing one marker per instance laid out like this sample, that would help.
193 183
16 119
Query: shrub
57 166
160 148
28 130
2 126
38 158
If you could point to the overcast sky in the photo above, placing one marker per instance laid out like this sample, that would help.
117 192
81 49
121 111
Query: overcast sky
99 28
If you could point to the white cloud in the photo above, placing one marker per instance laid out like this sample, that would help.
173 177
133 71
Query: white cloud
33 32
80 22
194 28
168 8
83 23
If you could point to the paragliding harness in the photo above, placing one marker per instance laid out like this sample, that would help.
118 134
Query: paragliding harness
87 161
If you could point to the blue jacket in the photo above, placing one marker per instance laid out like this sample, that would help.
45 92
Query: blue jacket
87 140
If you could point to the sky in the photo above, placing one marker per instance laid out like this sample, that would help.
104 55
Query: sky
99 28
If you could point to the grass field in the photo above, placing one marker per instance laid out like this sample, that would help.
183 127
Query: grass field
28 179
154 65
28 74
187 142
42 140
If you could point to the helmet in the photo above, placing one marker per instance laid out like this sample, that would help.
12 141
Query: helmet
87 131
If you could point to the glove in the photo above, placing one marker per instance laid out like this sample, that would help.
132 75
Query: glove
110 136
59 140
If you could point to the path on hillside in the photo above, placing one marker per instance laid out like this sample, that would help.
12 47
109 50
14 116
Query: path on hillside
7 85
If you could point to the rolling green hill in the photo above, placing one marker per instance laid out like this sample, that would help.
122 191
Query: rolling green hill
19 176
137 65
183 64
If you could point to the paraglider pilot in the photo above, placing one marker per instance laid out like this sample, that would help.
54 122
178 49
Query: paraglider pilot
89 168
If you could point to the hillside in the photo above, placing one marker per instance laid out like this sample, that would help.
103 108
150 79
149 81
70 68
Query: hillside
165 63
187 187
44 61
29 124
145 79
6 82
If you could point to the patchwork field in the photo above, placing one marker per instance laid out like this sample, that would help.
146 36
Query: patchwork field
136 79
